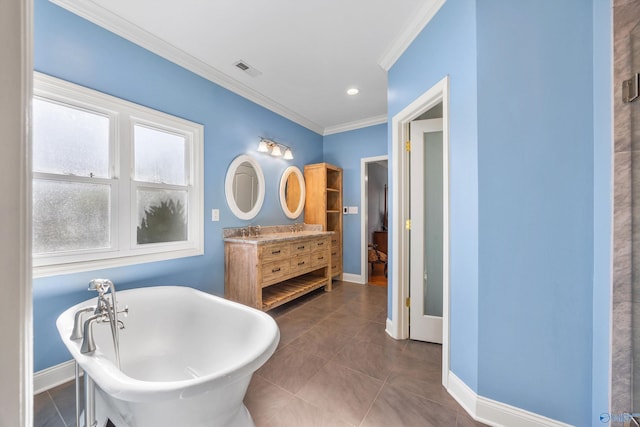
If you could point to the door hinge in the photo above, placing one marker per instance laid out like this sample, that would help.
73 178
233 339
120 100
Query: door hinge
631 89
408 302
407 224
407 146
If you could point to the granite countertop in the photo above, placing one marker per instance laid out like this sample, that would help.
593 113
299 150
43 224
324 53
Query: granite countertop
274 234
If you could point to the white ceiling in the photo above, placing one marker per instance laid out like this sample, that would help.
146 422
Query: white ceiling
309 52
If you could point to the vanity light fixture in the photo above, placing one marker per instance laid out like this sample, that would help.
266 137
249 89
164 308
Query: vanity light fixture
353 91
275 148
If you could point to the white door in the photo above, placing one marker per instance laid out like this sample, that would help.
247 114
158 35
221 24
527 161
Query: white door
426 266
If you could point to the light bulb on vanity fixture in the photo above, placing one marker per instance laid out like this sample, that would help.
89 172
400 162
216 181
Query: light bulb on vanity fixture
263 147
275 151
275 148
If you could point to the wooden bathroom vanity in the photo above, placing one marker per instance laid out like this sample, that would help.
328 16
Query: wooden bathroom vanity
276 266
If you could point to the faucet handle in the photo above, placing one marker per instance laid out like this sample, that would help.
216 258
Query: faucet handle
124 311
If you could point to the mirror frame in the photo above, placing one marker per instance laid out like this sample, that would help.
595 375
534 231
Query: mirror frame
283 200
228 187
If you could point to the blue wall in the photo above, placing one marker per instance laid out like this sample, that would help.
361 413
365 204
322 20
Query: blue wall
447 46
602 195
535 157
73 49
346 149
530 184
530 135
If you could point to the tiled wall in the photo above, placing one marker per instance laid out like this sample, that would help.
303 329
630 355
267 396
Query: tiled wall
626 237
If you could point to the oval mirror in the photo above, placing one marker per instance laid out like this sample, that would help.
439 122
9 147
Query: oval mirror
244 187
292 192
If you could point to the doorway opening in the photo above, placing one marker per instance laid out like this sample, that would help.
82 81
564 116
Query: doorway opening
374 219
401 221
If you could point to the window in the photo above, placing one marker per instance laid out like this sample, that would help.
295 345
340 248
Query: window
114 183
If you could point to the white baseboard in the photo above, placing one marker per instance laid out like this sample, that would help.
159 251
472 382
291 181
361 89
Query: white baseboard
354 278
495 413
391 329
53 376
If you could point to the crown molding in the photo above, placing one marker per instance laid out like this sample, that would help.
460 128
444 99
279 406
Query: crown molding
404 40
117 25
358 124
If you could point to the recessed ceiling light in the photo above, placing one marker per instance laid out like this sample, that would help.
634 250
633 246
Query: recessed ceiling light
353 91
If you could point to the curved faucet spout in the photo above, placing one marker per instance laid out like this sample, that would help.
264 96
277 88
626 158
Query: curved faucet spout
88 343
77 322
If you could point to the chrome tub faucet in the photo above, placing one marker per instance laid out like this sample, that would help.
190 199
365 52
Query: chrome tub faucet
105 310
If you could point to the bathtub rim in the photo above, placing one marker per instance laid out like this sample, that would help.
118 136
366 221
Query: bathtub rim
119 385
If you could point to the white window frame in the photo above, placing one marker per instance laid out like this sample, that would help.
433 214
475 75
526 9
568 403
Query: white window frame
124 115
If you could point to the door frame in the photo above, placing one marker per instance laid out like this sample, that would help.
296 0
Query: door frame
364 218
398 324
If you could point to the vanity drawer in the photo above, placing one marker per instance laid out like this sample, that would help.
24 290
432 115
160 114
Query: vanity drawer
273 271
336 259
299 248
335 241
300 263
275 252
320 258
319 244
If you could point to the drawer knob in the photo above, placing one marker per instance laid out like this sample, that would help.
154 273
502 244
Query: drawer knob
320 258
300 247
275 270
275 252
301 263
321 243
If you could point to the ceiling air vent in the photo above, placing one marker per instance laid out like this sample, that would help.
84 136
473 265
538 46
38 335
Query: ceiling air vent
244 66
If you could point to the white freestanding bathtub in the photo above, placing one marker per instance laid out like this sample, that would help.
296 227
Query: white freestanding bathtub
186 358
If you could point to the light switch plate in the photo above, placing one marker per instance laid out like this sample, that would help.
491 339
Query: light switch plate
215 215
353 209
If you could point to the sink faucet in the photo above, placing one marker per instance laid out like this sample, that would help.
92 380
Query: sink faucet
105 310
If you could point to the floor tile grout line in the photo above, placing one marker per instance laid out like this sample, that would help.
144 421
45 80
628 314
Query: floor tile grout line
275 385
296 394
374 401
319 408
64 423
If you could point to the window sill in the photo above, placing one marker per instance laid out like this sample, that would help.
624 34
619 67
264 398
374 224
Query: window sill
82 266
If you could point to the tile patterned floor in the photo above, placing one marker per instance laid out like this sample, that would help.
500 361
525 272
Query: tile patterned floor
335 366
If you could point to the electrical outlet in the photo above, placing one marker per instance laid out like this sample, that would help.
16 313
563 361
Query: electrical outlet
345 210
215 215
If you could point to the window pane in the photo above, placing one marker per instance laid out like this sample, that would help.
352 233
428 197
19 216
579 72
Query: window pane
159 156
67 140
70 216
162 216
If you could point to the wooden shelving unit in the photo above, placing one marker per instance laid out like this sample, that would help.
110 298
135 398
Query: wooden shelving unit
323 205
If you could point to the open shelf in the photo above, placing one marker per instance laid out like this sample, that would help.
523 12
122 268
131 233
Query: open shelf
283 292
334 179
333 201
